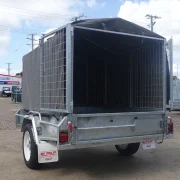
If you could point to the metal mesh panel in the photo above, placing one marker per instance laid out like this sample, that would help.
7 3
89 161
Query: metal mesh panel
53 72
147 77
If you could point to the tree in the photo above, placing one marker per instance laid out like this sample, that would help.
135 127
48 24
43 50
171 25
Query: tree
19 74
175 78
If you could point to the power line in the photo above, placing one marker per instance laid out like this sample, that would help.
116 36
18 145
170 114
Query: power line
18 29
9 67
152 22
32 40
37 16
177 70
36 12
19 32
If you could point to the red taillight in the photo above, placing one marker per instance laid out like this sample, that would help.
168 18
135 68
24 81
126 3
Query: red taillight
170 126
63 137
70 127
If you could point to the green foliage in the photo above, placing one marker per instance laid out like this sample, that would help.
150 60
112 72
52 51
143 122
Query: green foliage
19 74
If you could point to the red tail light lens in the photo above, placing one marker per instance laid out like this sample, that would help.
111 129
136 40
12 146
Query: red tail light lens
63 137
170 126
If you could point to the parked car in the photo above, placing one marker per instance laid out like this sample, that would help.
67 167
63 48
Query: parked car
16 94
6 91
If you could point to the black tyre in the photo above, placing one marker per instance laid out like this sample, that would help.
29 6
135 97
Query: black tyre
30 152
127 149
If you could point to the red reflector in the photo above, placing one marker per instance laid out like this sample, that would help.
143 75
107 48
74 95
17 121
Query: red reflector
70 127
63 137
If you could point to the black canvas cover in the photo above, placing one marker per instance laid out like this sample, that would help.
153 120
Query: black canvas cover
117 25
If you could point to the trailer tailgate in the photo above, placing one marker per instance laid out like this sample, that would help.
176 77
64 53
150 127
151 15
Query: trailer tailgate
111 126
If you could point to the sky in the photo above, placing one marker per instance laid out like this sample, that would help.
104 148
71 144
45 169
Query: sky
20 18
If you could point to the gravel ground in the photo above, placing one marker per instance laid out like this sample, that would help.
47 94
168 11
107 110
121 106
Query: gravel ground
95 163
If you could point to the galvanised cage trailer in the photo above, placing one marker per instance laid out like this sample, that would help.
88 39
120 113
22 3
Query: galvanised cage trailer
93 83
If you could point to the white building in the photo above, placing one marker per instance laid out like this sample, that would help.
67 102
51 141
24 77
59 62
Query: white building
9 81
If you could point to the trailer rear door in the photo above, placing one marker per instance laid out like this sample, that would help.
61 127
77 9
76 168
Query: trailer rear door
110 127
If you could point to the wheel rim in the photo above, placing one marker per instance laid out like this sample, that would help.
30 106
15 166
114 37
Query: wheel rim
27 146
123 146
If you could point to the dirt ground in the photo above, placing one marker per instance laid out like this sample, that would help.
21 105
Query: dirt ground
95 163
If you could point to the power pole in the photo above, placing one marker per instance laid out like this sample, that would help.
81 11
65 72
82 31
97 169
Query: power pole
152 22
76 18
177 71
9 68
32 40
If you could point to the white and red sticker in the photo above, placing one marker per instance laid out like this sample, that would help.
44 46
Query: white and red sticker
48 155
47 152
149 144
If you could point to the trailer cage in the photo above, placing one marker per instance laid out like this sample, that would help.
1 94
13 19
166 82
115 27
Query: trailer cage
93 83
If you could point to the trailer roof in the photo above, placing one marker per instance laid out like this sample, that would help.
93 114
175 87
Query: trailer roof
116 25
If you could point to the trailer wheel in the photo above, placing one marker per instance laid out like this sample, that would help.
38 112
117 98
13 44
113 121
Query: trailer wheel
30 152
127 149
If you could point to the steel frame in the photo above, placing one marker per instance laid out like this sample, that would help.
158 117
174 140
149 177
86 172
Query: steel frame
69 62
115 141
121 33
31 117
164 73
162 56
170 56
90 143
